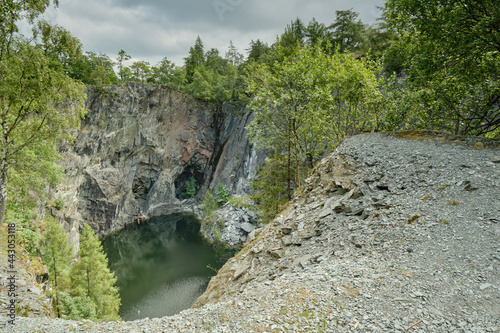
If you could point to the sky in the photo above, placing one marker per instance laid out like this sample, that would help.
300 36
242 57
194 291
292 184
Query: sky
150 30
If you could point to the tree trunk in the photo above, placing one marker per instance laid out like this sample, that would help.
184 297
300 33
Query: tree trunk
289 163
56 287
3 186
88 281
3 164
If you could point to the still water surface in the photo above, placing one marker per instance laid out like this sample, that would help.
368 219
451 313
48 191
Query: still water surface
162 265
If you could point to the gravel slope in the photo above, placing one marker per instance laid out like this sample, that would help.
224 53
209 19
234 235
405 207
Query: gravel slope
388 235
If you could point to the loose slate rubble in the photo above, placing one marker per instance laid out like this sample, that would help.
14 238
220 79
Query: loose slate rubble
385 237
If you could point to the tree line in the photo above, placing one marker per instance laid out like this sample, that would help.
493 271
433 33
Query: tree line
210 75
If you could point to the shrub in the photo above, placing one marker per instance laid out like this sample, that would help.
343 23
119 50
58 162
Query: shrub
59 203
30 240
222 194
77 307
208 208
191 188
217 235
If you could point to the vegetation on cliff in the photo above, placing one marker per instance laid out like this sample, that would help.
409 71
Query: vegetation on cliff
85 289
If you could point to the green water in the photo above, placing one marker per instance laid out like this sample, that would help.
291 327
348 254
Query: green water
162 265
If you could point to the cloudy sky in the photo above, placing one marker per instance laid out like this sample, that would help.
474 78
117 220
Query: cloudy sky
152 29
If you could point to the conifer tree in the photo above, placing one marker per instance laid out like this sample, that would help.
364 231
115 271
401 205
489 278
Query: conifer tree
195 59
56 253
91 277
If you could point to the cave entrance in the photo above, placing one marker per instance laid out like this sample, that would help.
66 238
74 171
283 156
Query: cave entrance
188 183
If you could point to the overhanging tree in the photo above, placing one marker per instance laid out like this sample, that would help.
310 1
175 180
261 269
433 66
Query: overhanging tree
38 102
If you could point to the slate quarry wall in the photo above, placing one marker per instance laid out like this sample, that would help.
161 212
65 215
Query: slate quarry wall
137 147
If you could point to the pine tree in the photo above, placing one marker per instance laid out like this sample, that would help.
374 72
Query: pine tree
56 253
91 277
195 59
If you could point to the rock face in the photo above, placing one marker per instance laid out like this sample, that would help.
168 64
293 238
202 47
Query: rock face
387 235
138 146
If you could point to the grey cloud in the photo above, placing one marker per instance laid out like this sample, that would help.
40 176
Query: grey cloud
152 29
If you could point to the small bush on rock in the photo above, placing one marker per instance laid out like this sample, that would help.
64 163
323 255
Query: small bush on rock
222 194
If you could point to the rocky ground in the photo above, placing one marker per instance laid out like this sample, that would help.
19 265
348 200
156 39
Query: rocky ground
18 283
389 234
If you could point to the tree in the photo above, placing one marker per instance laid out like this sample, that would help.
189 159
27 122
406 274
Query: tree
257 50
38 106
91 277
308 103
140 71
223 194
317 33
165 72
58 44
346 30
195 59
208 207
102 71
233 56
122 57
293 36
452 53
215 63
57 254
377 38
28 93
271 193
201 85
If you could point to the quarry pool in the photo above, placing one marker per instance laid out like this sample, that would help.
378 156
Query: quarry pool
162 265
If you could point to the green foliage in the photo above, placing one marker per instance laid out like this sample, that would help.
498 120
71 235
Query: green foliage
79 307
195 59
165 72
34 168
59 203
35 95
56 254
258 51
241 202
309 102
233 56
208 207
191 188
85 290
347 32
141 71
271 194
91 277
223 194
93 69
122 57
452 58
30 240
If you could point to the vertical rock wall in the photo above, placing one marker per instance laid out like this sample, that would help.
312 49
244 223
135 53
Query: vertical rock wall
137 147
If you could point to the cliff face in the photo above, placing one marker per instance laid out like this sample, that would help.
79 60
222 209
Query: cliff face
138 146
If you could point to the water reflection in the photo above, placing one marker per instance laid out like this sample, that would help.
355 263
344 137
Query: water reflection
161 265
